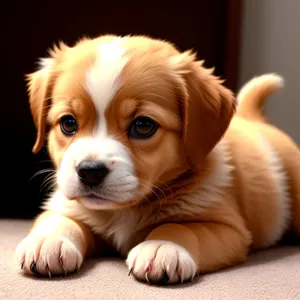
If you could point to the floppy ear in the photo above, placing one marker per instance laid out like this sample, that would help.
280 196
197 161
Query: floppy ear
207 108
39 88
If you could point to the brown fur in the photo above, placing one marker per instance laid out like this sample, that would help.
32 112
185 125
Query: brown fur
195 112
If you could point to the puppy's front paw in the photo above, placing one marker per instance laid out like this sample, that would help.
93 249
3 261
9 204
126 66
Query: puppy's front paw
161 262
48 255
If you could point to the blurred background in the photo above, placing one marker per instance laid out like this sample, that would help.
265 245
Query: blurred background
270 42
240 39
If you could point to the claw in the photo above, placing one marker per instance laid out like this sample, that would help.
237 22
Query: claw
182 279
165 278
48 271
61 261
33 269
22 265
193 277
76 269
62 265
146 276
180 275
130 271
150 266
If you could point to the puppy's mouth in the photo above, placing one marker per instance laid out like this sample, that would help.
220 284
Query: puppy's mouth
93 200
94 197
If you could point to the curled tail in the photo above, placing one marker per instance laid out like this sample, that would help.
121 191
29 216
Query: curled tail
253 94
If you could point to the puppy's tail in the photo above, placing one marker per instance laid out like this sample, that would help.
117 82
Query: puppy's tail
253 94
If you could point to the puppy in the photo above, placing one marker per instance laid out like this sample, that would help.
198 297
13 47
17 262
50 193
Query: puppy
151 162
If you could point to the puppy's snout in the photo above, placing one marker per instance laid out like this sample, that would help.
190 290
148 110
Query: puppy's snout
91 173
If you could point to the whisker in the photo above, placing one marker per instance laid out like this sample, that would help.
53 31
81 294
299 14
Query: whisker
159 189
41 172
158 198
150 190
144 197
48 182
51 186
166 186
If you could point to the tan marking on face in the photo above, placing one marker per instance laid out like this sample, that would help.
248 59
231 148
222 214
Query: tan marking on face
146 86
157 159
70 98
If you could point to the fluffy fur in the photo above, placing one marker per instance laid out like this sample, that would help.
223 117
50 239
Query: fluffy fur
195 197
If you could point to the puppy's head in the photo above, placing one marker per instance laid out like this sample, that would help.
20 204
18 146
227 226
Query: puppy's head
125 116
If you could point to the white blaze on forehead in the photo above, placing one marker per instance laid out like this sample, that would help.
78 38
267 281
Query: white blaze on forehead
102 78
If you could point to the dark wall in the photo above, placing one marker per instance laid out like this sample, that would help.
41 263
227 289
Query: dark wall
29 28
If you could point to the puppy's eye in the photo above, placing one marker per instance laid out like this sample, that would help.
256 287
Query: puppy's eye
68 125
142 128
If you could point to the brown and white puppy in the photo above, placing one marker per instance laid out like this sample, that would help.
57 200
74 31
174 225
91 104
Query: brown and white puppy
145 164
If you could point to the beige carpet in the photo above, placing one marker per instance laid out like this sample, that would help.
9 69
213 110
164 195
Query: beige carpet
273 274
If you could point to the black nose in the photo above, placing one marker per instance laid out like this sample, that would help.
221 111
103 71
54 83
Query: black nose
91 173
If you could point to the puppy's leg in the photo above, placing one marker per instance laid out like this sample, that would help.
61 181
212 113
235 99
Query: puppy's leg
177 252
56 245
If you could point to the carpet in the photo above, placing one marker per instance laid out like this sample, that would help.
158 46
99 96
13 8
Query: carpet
271 274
